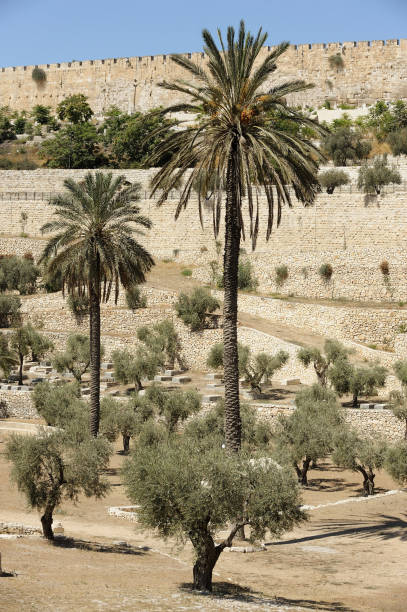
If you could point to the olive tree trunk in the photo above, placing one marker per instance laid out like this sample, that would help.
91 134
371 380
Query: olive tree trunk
368 481
302 472
46 522
230 275
126 443
94 324
207 555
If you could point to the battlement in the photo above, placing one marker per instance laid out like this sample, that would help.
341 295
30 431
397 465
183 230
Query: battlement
371 70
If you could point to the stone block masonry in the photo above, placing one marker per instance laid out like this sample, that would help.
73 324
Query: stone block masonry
371 70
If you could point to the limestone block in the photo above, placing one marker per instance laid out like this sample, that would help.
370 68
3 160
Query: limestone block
211 399
181 380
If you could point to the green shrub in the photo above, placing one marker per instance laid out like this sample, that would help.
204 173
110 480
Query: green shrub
9 310
18 274
245 276
336 61
344 144
372 178
39 75
78 305
186 272
398 142
331 179
193 309
384 267
325 271
135 299
281 275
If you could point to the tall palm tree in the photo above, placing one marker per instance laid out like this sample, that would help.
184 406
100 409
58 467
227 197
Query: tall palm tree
94 250
236 146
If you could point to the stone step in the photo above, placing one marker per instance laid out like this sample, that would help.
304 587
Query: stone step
162 378
172 372
181 380
290 381
211 399
214 376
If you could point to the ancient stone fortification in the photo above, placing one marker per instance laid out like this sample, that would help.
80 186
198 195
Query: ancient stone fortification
371 70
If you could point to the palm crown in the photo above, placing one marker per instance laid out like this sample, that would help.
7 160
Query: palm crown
94 238
234 109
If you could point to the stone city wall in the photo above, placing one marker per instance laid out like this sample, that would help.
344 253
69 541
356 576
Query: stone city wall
350 231
371 70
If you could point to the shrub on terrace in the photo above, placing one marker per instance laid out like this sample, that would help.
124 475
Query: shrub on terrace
74 109
333 350
372 178
281 275
134 367
331 179
308 433
345 144
399 398
325 271
74 146
363 380
25 341
76 357
163 341
59 404
18 274
396 462
360 455
135 299
9 310
193 309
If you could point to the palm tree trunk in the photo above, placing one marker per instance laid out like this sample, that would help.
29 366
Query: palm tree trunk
20 369
94 324
230 275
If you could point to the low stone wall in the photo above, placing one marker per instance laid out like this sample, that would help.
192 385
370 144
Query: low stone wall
19 404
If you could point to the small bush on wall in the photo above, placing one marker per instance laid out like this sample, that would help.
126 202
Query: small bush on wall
325 271
336 61
281 275
39 76
384 267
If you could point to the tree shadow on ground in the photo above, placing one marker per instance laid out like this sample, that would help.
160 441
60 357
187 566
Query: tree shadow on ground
235 592
65 542
389 527
329 484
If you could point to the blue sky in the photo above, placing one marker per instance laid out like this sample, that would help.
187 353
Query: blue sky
44 31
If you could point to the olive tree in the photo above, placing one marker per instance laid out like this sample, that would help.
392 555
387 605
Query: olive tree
363 380
193 309
76 357
360 455
254 369
25 340
372 178
399 398
134 367
193 492
119 418
58 404
50 468
396 462
162 339
170 407
330 179
307 434
333 350
7 357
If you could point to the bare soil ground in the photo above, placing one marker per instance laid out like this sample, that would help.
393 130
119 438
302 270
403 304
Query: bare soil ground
347 557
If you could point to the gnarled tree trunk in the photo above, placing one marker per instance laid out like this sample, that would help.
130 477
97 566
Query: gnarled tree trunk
368 481
207 555
230 276
303 471
46 522
126 443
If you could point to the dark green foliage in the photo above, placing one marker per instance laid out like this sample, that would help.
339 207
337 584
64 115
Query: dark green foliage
163 341
7 131
325 271
59 404
281 275
193 309
134 298
372 178
308 433
74 146
7 357
132 138
331 179
134 367
399 398
41 114
25 341
18 274
171 407
336 61
184 491
345 144
388 120
119 418
76 358
254 369
398 142
363 380
74 109
210 429
39 75
49 468
19 125
246 279
360 455
52 281
333 351
384 267
78 304
396 462
9 310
